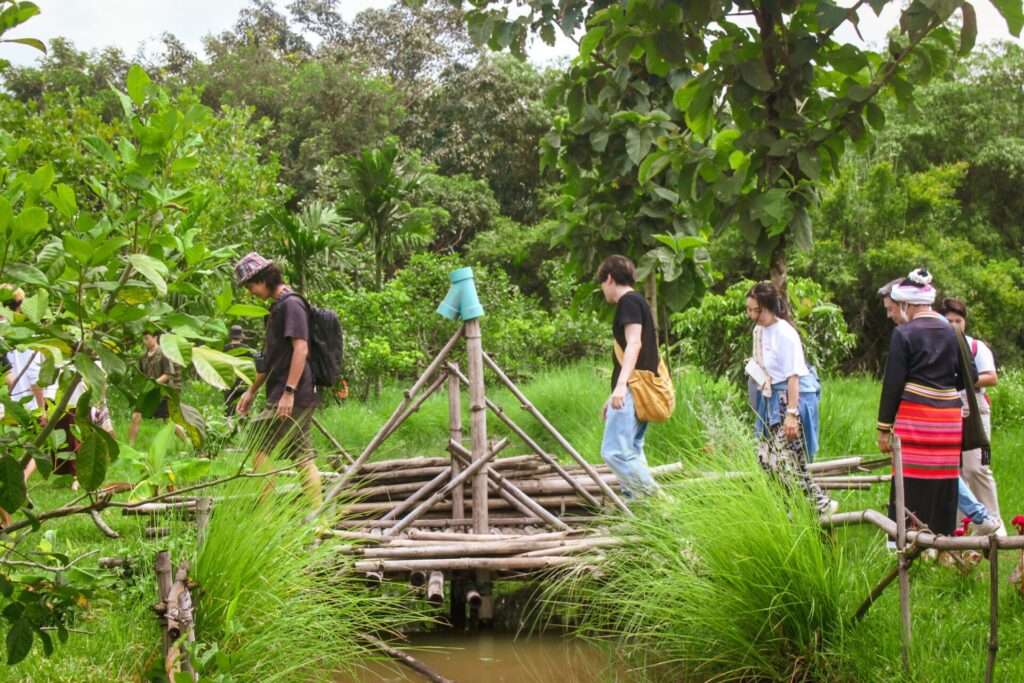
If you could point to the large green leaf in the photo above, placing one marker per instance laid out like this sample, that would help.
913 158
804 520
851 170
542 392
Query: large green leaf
214 367
26 274
177 348
1013 13
102 148
151 269
92 460
191 421
35 307
30 221
12 484
246 311
19 641
138 79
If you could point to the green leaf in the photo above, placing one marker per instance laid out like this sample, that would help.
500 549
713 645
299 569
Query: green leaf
12 483
1013 13
800 227
138 79
225 297
31 42
654 164
42 178
101 254
756 74
64 200
102 149
95 377
810 164
246 311
848 59
638 143
671 45
35 307
875 115
80 249
591 40
969 28
151 269
191 421
30 275
19 641
6 216
29 222
177 348
599 140
92 461
214 367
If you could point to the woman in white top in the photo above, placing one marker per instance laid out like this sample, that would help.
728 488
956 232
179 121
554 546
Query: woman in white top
974 465
787 396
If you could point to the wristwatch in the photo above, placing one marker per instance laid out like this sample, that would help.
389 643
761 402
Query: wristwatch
289 389
793 411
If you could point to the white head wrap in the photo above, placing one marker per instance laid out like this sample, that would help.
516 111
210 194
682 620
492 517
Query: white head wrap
916 290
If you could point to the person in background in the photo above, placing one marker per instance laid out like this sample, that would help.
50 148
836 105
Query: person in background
154 365
236 340
975 470
920 402
787 395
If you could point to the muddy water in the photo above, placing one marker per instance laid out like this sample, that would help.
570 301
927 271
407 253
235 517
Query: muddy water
499 658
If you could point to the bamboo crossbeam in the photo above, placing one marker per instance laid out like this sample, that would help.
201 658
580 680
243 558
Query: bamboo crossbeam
574 546
926 539
509 491
551 502
425 506
377 440
466 563
157 508
422 492
518 431
471 549
418 535
850 464
532 409
447 522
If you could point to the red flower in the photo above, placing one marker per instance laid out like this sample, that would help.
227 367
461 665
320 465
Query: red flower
958 532
1018 522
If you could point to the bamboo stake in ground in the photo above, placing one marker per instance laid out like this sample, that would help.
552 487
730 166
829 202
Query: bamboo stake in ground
534 446
876 592
203 506
341 449
532 409
455 436
377 440
993 626
478 439
901 546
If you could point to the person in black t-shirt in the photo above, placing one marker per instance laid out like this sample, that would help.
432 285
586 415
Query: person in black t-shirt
291 395
633 331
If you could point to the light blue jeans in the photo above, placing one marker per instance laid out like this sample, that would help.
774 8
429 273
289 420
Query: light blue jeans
969 504
623 449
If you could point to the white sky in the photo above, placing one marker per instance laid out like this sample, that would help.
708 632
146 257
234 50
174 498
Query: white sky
131 24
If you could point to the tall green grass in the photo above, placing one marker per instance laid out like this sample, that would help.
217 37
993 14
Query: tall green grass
721 578
281 605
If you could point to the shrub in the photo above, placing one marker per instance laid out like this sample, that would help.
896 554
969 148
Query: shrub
716 335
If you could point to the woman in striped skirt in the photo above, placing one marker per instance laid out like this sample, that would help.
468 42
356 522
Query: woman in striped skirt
920 403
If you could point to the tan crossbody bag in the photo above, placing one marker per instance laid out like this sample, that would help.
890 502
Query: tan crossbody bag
654 395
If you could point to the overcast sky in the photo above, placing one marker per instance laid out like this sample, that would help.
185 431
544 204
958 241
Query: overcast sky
131 24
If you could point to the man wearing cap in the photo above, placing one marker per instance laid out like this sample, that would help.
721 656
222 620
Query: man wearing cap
154 365
284 368
236 337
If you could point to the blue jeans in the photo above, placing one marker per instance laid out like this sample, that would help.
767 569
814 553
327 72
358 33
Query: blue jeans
968 504
623 449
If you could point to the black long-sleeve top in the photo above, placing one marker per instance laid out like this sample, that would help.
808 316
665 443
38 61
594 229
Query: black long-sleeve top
923 367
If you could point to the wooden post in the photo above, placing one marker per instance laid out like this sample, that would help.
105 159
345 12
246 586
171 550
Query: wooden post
532 409
387 429
993 625
203 506
534 446
901 546
455 436
164 569
478 439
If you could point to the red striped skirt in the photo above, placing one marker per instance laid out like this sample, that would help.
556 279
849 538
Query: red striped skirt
930 439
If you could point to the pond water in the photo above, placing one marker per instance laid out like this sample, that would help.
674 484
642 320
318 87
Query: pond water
493 657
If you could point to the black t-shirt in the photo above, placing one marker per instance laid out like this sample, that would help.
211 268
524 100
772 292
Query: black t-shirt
632 309
288 320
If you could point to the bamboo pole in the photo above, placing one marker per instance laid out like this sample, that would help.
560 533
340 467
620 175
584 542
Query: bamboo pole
203 506
420 400
447 522
455 436
560 504
435 588
377 440
417 535
421 493
993 625
468 563
510 492
901 545
98 521
534 446
574 546
157 508
478 441
424 507
876 592
340 449
530 408
408 660
473 596
457 549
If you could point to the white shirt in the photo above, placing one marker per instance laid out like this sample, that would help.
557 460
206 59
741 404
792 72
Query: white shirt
783 351
28 363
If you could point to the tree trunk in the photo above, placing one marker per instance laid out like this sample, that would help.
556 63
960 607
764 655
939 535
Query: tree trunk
780 274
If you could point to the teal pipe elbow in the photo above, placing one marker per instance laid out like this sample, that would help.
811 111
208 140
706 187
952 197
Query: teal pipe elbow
462 300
